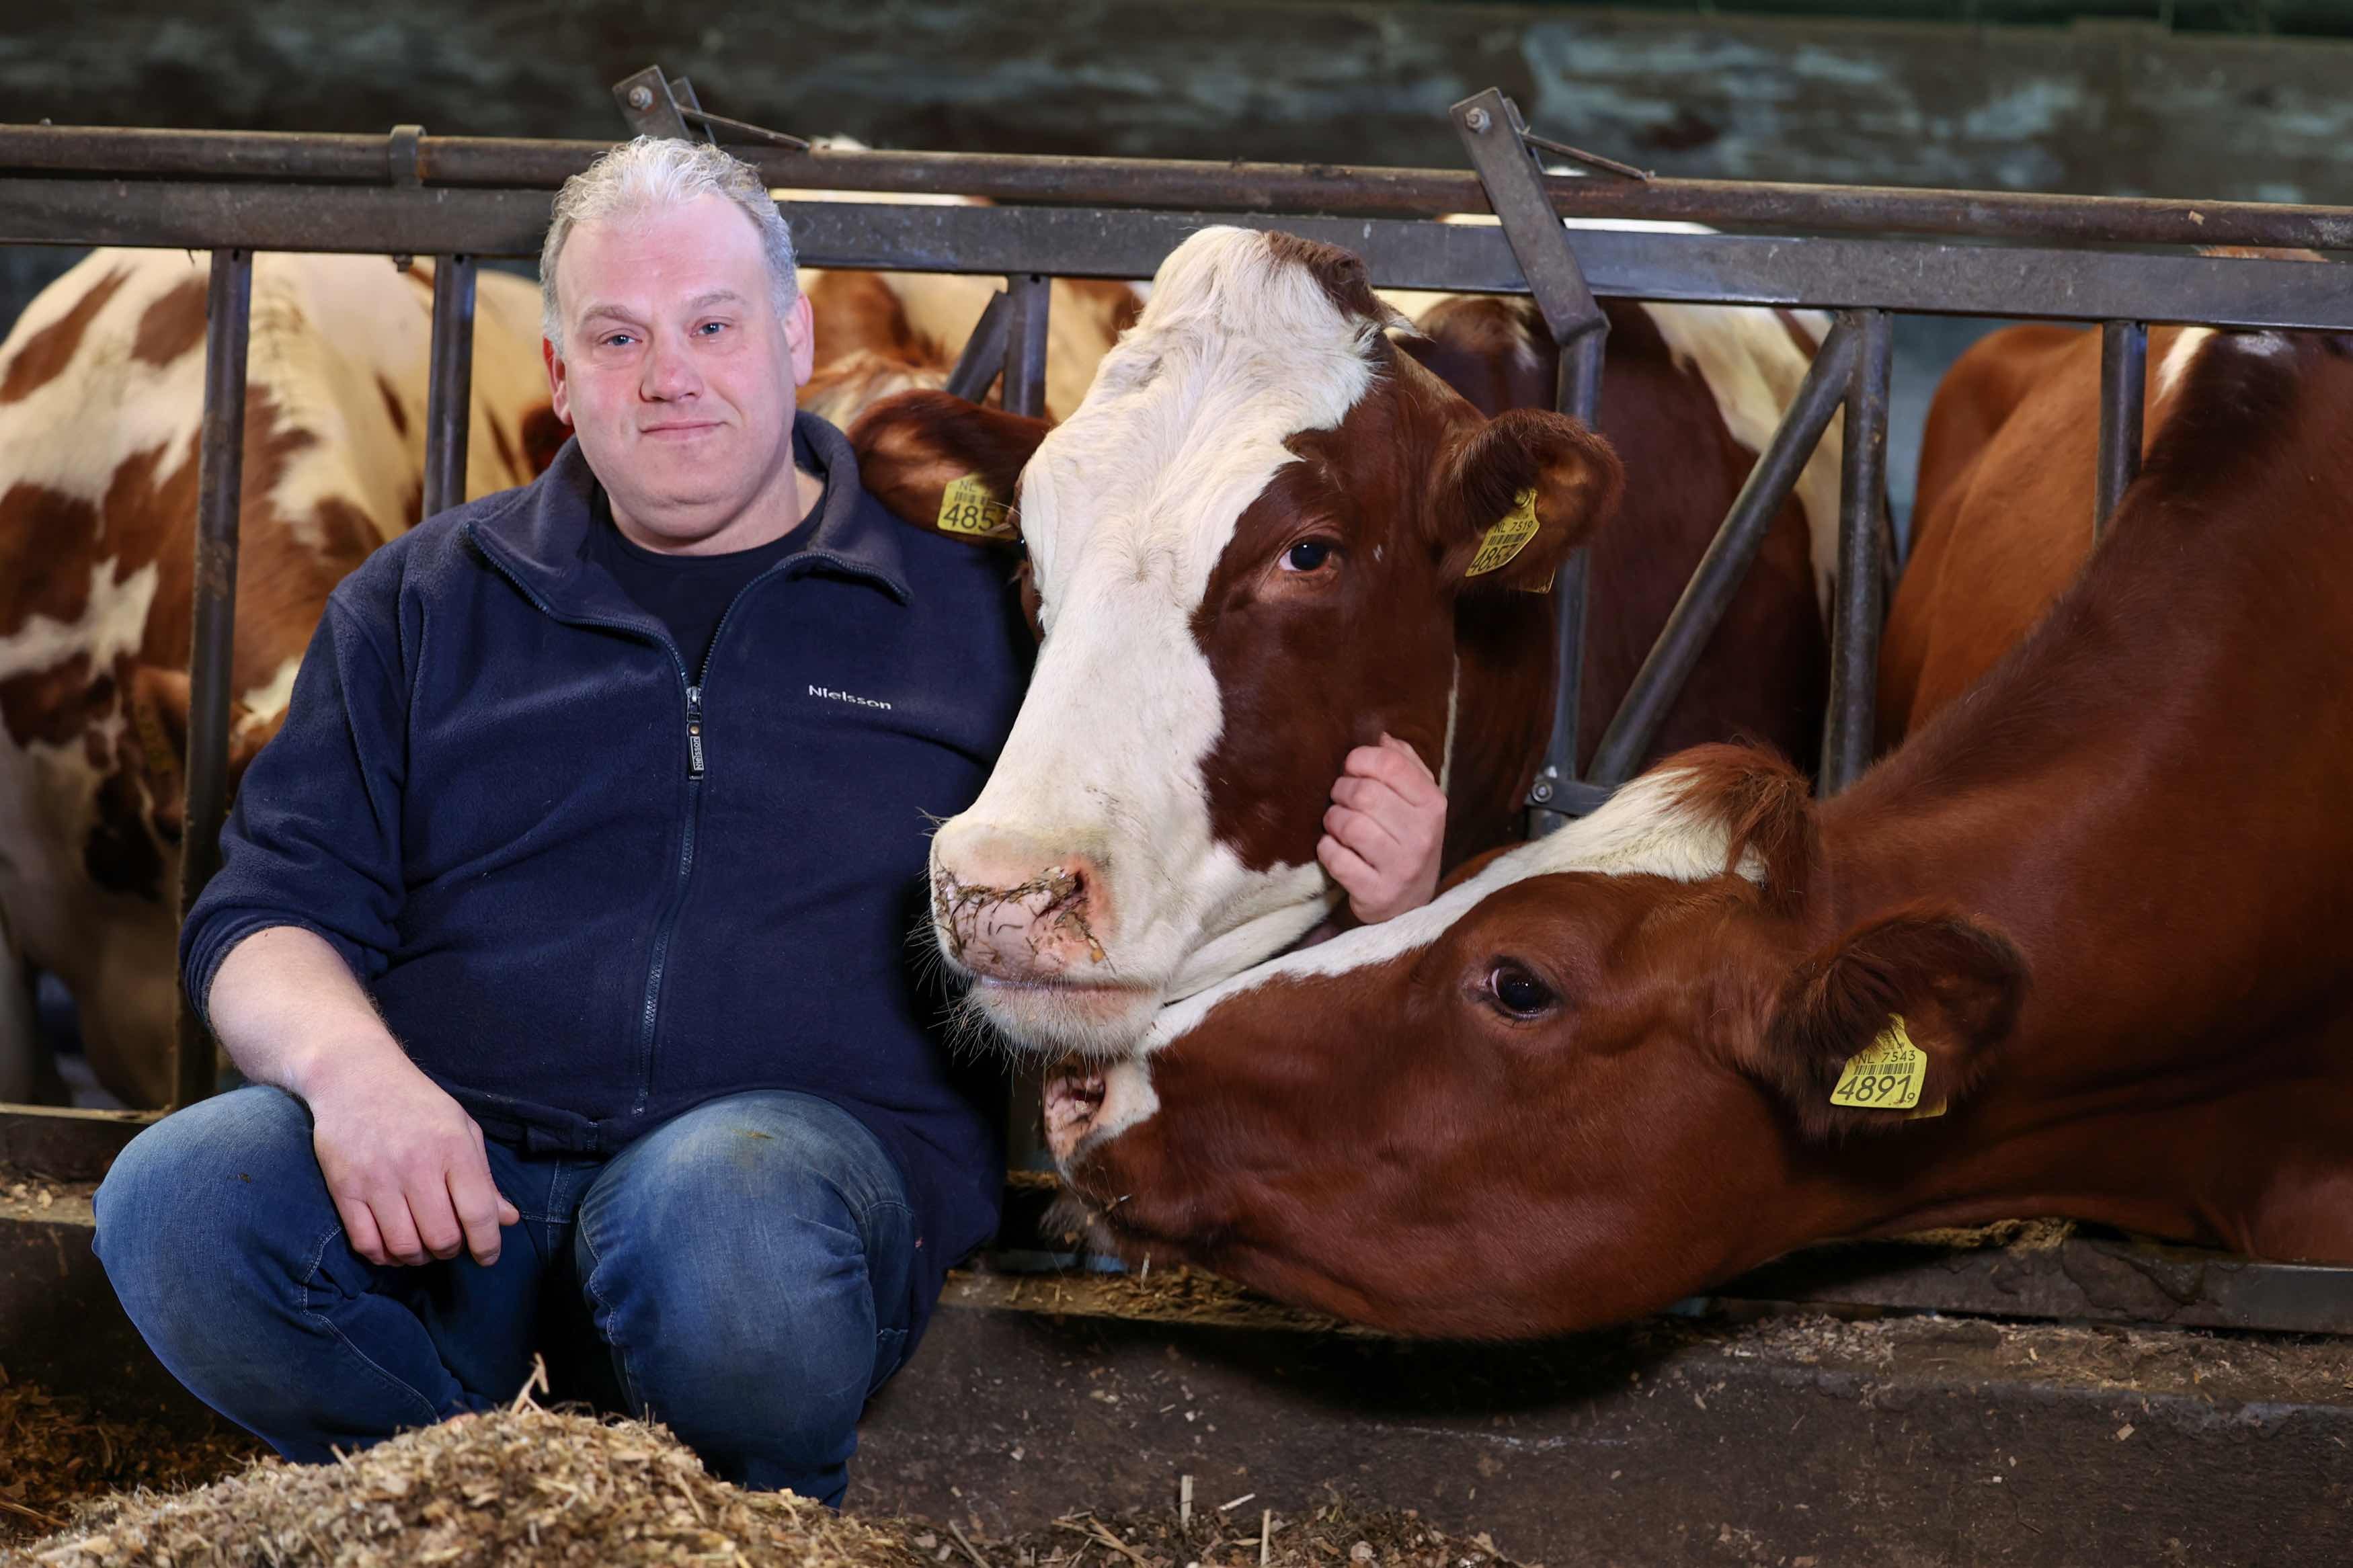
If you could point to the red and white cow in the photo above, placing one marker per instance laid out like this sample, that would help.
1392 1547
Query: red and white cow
2078 947
101 392
1252 549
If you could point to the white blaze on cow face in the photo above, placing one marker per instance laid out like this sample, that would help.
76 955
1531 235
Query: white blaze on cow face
1650 828
1086 885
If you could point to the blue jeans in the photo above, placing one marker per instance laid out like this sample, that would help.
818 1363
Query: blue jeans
746 1264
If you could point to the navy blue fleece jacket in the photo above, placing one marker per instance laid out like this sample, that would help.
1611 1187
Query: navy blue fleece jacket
590 886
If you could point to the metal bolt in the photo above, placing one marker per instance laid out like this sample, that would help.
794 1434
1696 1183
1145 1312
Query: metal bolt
642 97
1542 792
1476 119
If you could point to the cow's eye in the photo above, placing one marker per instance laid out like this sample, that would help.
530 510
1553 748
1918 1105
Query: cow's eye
1307 555
1517 991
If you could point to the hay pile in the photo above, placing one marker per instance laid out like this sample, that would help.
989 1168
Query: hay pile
532 1486
526 1487
53 1452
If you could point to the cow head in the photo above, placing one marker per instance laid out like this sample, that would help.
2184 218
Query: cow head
1592 1077
1245 551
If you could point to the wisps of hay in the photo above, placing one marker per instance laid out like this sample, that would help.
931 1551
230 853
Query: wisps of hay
528 1488
524 1487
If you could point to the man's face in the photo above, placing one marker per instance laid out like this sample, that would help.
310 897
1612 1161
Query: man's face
675 369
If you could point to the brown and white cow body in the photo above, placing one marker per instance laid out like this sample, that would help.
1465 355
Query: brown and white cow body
101 388
1251 545
2109 895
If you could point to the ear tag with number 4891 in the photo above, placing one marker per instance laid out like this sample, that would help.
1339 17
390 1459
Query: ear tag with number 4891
1887 1075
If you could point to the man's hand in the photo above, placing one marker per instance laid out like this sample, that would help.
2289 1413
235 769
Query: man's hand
405 1166
403 1161
1385 832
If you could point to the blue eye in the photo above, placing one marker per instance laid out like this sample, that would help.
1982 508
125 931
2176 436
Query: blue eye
709 326
1307 555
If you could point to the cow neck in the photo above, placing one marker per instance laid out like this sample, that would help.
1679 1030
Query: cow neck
2177 895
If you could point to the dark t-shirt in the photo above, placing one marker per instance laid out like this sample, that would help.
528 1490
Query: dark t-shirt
689 594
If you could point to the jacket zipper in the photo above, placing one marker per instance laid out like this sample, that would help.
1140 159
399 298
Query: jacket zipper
695 771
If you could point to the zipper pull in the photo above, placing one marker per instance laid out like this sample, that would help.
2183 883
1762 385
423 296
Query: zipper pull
694 731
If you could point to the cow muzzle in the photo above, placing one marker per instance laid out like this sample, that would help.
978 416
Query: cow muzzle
1032 934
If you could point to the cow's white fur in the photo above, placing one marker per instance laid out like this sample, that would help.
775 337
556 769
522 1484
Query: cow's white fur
1126 507
323 328
1647 829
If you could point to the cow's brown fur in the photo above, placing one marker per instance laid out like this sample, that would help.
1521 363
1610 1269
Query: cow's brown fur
2110 895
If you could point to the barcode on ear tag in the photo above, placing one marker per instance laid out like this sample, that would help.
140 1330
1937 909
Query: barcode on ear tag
1508 537
968 508
1887 1075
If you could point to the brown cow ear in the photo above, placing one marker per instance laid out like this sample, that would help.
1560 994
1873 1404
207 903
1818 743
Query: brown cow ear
944 464
1892 1024
1516 494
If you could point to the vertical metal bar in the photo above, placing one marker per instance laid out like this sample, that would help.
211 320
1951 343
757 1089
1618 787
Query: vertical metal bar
448 385
1025 343
1848 736
219 474
1725 564
983 352
2124 373
1554 796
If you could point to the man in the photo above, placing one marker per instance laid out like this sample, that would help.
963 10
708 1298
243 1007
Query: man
563 925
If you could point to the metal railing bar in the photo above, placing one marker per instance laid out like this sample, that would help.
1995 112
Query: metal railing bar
1028 318
2124 376
448 384
1725 564
212 644
1241 186
1909 275
1849 729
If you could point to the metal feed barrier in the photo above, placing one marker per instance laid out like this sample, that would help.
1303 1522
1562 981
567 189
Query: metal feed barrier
1866 254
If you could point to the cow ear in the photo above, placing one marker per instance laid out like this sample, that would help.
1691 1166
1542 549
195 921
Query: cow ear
944 464
1917 1003
1516 494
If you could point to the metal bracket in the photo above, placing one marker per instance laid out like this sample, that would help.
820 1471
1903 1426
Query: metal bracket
658 105
983 352
653 103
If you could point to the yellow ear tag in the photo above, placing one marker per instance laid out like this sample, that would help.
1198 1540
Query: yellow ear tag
1887 1075
968 506
1508 537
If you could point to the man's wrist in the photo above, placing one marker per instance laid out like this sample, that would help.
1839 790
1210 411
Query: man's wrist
326 1065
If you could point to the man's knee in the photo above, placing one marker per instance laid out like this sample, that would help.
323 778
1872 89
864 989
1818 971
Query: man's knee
750 1234
202 1189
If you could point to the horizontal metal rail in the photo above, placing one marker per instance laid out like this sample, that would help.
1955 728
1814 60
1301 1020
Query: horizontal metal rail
1920 276
460 160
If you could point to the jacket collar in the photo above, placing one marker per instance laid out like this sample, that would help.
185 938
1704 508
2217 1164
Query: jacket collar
538 535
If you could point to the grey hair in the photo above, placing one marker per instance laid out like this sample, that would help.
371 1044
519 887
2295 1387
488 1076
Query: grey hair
652 173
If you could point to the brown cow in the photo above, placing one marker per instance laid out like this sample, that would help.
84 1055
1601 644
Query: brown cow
2078 947
1973 588
1254 544
100 394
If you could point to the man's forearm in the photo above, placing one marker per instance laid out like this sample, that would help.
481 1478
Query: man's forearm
288 1012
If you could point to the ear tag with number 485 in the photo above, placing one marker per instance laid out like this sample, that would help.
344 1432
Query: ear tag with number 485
1508 537
968 507
1887 1075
